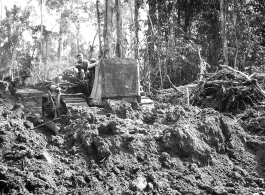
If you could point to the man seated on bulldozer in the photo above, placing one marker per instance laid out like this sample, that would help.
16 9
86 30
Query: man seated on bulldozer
86 71
85 68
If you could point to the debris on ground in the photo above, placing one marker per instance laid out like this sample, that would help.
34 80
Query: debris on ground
228 90
125 149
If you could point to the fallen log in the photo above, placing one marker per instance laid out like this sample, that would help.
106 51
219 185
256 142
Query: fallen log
173 86
221 82
248 78
236 71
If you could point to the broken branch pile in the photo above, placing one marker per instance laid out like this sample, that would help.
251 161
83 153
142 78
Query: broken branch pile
260 77
228 90
176 95
167 96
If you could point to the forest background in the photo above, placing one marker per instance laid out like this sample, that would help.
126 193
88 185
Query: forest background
181 39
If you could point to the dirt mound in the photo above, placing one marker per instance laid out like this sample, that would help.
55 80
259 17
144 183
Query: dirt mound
125 149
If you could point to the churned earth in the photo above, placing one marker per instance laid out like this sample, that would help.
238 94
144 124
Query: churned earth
126 149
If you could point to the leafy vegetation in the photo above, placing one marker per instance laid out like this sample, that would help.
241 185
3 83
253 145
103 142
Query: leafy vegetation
176 38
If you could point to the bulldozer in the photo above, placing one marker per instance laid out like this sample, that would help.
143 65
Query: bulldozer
112 78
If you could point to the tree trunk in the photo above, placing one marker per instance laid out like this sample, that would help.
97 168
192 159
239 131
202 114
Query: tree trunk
170 42
187 19
60 47
41 28
129 46
160 33
150 40
119 45
1 10
78 36
46 57
91 47
9 27
129 50
13 56
99 29
60 40
235 32
223 31
160 73
107 29
136 27
41 37
11 51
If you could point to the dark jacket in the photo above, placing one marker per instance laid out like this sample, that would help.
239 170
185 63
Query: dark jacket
82 65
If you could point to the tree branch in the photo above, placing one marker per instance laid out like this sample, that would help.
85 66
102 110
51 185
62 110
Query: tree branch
174 87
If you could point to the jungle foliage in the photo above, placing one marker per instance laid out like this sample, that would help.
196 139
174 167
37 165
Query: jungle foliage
175 38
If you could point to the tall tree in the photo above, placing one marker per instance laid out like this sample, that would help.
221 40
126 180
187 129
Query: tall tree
99 28
119 45
108 29
78 36
150 37
152 20
11 31
71 12
41 35
63 31
223 30
136 27
60 40
234 24
1 7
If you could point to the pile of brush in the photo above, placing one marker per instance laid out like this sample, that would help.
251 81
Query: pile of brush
228 90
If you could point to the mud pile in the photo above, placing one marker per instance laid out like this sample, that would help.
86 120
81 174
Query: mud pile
125 149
